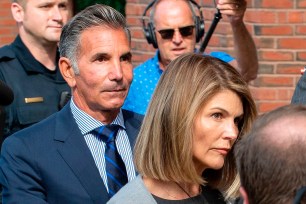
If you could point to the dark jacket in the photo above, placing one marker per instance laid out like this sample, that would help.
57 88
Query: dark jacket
36 95
50 162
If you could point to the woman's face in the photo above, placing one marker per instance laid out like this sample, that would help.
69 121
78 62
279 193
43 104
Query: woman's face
216 130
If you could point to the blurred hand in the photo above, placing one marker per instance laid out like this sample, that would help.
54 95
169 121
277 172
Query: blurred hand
234 9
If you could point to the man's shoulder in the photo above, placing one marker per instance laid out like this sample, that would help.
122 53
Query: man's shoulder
6 53
37 130
40 135
34 138
130 115
144 65
147 72
222 56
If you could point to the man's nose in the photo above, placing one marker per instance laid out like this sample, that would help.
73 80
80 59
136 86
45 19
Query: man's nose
116 71
177 37
56 13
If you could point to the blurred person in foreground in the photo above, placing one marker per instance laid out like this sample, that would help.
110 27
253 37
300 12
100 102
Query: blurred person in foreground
6 98
184 150
271 158
29 65
6 94
83 153
174 29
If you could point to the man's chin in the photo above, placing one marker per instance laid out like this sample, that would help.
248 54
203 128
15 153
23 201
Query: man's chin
174 57
116 104
111 108
53 38
179 52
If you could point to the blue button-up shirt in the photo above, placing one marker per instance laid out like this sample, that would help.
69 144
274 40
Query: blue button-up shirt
145 79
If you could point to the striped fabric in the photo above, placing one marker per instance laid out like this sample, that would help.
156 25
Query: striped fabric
115 168
87 124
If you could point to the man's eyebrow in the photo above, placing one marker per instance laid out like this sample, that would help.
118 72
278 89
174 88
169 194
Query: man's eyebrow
127 54
98 55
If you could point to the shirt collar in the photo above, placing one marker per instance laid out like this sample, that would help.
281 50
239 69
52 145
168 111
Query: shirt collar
156 61
87 123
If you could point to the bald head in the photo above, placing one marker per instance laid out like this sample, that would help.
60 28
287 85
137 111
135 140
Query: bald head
168 8
282 131
271 158
279 128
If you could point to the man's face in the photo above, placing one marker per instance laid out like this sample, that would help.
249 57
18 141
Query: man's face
42 20
105 70
173 15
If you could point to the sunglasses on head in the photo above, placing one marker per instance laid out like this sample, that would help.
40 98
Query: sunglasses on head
167 34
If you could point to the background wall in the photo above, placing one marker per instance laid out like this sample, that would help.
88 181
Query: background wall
278 28
7 23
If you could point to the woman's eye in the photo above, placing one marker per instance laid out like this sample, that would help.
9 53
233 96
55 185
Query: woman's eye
217 115
237 121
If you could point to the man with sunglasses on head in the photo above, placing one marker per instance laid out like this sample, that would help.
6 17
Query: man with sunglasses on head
175 29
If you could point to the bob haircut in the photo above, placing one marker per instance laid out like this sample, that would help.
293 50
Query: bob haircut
163 149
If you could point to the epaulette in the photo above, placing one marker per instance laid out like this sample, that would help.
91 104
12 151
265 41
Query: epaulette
6 53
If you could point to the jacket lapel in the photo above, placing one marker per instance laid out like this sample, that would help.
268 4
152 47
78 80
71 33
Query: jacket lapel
74 150
132 122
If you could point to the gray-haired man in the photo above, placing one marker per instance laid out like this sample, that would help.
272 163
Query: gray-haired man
64 159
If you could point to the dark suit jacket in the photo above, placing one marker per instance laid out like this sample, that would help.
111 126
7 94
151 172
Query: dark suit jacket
50 162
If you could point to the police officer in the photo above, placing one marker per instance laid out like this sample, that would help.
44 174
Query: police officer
29 66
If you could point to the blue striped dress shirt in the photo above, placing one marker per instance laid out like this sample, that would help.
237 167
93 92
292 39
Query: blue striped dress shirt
86 124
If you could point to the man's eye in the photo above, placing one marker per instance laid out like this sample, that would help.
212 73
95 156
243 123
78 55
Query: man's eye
101 59
63 6
45 6
127 58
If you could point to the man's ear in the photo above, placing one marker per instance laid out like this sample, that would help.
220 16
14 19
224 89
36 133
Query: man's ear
244 195
17 12
67 71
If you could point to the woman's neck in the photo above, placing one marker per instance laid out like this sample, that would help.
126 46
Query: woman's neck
171 190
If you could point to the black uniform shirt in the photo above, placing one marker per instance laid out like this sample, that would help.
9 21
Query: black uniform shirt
38 92
30 64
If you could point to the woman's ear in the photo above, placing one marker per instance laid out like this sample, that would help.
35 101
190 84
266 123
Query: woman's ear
17 12
67 71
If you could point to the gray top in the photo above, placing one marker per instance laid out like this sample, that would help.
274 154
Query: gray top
135 192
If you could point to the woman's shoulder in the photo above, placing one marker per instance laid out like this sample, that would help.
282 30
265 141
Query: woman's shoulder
134 192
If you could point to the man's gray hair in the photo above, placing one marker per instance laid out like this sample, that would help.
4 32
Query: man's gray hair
92 16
